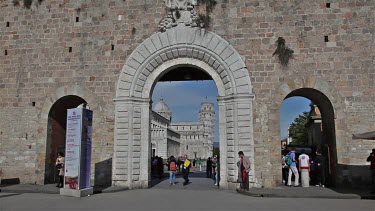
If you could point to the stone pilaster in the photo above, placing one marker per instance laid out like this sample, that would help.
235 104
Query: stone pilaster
236 134
132 143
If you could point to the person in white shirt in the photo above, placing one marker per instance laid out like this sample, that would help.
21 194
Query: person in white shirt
304 168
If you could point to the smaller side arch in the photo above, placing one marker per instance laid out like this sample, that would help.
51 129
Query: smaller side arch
55 95
326 97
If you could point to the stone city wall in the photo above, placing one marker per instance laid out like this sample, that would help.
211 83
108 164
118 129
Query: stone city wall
47 50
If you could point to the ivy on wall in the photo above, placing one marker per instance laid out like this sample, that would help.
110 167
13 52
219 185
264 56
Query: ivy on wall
283 52
26 3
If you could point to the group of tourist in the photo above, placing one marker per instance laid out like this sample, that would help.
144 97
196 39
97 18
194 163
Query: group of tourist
174 166
291 165
304 166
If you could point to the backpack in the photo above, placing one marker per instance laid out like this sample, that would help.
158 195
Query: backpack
172 166
288 159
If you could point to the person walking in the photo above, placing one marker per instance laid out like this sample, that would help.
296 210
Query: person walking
60 161
371 159
217 172
243 171
293 169
185 170
200 164
304 168
214 160
194 162
172 170
318 163
209 167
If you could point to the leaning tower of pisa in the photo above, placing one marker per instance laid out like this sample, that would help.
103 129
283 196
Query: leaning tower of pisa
207 118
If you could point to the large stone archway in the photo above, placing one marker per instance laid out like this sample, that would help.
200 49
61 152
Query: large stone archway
181 46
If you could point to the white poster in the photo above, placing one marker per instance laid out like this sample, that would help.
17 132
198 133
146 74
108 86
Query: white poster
73 141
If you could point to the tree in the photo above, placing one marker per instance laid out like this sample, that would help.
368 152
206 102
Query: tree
297 130
216 151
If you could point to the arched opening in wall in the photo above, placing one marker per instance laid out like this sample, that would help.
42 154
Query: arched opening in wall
307 122
184 121
56 133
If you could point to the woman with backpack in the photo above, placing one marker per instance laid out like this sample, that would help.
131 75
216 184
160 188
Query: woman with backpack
172 170
285 168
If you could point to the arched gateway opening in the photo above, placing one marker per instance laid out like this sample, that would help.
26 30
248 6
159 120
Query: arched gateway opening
56 133
163 52
320 131
183 122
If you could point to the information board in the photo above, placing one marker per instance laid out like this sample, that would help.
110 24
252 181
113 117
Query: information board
78 148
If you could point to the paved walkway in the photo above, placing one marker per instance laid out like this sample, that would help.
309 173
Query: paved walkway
199 182
180 199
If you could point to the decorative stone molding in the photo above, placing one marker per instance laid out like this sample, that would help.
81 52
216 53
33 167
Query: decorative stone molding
179 12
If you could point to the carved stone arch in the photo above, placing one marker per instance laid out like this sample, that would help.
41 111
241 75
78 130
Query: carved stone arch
184 42
164 51
52 98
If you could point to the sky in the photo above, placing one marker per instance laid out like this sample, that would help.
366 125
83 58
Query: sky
185 97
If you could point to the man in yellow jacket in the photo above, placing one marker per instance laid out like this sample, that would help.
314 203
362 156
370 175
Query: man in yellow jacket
185 170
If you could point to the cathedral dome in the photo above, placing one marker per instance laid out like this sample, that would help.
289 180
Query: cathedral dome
161 106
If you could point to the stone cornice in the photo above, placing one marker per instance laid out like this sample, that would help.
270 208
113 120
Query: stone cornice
236 97
132 99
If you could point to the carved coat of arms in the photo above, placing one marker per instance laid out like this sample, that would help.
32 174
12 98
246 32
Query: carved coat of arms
180 12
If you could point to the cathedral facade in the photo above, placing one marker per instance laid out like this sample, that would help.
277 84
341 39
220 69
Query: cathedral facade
194 139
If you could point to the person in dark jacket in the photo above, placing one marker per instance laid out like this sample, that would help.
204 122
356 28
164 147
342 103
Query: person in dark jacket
185 170
371 159
160 167
318 164
60 162
209 168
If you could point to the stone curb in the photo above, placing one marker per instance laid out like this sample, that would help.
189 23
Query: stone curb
111 190
3 195
28 191
273 195
20 191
